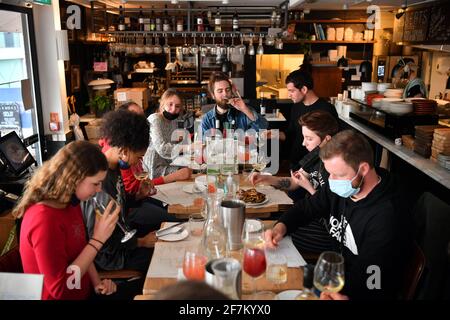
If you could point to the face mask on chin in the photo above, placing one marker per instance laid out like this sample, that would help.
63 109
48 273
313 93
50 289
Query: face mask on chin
170 116
344 188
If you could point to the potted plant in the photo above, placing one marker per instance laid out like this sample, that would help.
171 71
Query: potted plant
100 105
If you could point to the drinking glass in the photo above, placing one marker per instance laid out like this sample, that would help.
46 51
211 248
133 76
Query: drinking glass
101 201
140 172
194 265
261 162
254 261
329 272
277 268
196 225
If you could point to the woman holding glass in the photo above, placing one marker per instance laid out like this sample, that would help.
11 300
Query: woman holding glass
162 148
127 136
52 236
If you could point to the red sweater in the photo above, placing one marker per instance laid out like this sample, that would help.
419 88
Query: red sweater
50 240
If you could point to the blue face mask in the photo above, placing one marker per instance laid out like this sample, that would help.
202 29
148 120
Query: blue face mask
344 188
123 164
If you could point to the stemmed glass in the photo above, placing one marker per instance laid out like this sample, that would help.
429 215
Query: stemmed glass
254 262
140 172
101 201
261 162
329 272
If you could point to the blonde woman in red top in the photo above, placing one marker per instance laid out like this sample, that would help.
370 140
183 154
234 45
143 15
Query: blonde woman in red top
52 237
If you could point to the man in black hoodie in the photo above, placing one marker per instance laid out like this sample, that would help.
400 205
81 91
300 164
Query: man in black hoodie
367 204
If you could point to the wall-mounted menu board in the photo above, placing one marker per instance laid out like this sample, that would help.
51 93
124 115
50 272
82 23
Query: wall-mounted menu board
428 24
416 25
439 30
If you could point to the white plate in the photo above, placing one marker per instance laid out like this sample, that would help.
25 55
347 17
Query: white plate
258 204
287 295
175 236
190 188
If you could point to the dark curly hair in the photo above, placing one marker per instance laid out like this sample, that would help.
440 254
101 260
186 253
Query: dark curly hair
126 129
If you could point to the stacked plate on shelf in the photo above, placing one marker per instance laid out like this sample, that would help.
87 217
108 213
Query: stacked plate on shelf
423 139
393 93
424 106
440 149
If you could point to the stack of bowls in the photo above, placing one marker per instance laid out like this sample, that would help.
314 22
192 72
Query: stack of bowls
382 87
393 93
400 108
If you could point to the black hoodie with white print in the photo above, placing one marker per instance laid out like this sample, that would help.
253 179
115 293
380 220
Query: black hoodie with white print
377 240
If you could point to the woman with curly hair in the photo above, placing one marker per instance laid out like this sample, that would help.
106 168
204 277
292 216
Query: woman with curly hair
161 150
52 236
127 134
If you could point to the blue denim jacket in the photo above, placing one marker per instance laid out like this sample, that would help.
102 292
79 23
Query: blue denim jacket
241 120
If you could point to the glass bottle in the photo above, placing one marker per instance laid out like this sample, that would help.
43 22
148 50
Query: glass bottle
152 21
207 21
158 23
235 21
180 23
262 106
141 19
217 21
166 20
121 24
214 239
200 25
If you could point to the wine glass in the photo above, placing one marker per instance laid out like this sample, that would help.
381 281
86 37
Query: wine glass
329 272
261 162
254 262
140 172
101 201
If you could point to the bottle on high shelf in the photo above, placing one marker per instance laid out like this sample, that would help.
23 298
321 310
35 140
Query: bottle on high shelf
166 20
174 23
235 21
200 25
207 21
273 19
141 20
121 23
158 23
152 21
217 21
180 23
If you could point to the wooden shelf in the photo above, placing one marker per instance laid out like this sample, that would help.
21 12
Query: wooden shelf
328 21
334 63
329 41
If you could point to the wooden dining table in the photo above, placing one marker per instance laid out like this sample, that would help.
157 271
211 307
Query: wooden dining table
265 211
154 284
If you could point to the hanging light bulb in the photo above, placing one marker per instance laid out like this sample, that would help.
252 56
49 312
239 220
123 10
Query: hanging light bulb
260 49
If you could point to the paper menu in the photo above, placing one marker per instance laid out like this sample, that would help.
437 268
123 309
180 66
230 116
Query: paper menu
287 248
21 286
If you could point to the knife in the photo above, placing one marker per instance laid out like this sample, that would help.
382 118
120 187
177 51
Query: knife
162 232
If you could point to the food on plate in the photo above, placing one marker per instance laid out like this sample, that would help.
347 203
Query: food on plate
251 196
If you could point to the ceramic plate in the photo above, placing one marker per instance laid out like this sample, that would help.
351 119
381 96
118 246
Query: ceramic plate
287 295
190 188
175 236
258 204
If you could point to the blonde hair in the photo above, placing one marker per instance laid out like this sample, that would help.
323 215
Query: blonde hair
169 93
58 178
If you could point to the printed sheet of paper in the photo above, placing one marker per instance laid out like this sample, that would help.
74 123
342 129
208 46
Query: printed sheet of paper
21 286
168 257
287 248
